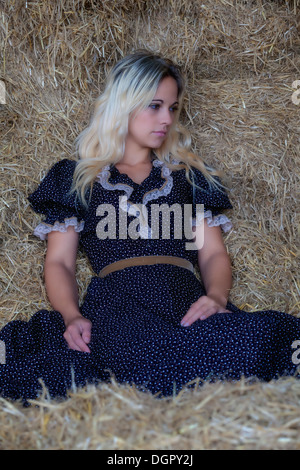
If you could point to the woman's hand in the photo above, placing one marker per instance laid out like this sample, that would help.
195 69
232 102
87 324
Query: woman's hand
202 309
78 334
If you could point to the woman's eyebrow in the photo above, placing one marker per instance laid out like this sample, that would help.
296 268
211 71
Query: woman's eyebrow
161 101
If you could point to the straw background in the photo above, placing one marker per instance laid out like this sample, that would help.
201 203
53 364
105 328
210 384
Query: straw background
241 59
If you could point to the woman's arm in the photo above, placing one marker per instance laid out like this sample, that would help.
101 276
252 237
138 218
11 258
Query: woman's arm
215 269
61 286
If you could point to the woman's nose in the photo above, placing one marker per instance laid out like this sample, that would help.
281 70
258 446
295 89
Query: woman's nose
167 117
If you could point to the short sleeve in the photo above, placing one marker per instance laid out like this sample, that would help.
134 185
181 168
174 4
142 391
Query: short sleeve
214 199
52 199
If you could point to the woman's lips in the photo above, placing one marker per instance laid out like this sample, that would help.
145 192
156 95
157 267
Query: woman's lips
160 133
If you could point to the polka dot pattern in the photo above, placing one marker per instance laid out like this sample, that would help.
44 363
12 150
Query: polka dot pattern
136 312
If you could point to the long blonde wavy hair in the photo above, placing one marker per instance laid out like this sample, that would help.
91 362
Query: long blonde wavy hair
131 86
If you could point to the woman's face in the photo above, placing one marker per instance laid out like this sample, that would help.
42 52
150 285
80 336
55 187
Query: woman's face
149 127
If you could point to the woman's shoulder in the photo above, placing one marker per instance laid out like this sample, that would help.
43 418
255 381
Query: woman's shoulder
56 183
59 176
192 176
63 168
201 188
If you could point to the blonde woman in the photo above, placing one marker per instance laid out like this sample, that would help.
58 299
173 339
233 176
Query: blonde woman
147 211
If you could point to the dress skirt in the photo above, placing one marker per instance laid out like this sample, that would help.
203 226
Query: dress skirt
137 338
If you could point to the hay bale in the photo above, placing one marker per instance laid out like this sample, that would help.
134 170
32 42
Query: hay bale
241 59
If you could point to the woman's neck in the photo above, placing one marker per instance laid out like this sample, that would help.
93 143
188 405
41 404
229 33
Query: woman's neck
133 156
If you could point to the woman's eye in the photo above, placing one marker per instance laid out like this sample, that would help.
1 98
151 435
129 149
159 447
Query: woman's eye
154 106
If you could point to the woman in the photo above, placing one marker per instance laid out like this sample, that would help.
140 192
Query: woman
146 318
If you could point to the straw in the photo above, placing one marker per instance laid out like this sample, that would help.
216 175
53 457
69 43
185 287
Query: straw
241 60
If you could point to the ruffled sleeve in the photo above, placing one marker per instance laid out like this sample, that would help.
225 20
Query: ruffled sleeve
215 201
52 199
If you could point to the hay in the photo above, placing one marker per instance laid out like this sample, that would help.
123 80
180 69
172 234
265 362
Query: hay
241 59
256 416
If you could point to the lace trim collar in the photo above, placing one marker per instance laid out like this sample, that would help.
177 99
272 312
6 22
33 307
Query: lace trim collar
164 190
138 210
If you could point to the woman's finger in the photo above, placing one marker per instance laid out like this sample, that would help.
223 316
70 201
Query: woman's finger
75 341
202 309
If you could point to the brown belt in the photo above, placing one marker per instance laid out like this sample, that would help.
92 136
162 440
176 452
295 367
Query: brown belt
145 260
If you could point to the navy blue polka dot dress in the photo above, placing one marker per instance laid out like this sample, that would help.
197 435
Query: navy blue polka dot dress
136 313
